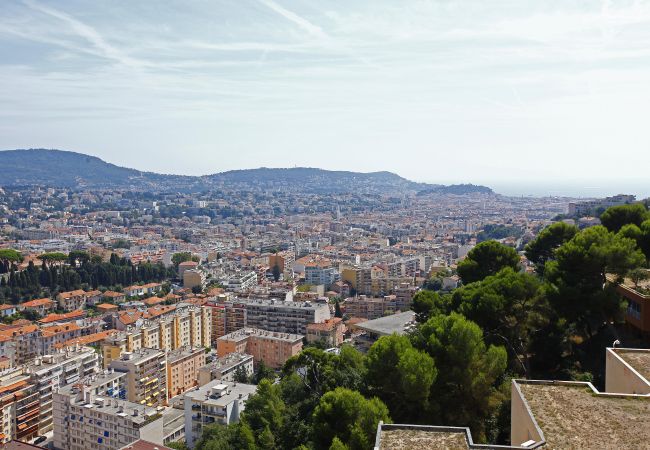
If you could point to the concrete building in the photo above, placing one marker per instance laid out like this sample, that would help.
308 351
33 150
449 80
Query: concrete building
86 417
183 369
369 307
271 348
330 332
19 406
146 376
283 316
226 318
224 368
185 326
591 207
50 372
217 402
193 278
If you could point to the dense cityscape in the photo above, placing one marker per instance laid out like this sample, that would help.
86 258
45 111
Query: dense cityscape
264 314
324 225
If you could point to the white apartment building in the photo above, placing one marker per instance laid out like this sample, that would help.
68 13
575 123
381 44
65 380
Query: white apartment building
50 372
217 402
85 419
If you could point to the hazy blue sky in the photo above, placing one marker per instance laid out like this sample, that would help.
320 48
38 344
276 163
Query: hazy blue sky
448 91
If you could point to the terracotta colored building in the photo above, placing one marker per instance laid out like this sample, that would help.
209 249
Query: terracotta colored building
330 332
271 348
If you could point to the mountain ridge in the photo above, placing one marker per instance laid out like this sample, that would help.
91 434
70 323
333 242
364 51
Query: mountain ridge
61 168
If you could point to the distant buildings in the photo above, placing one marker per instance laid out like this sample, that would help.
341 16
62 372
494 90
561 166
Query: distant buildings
590 207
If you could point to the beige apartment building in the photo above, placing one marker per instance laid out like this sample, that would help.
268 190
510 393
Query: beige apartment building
72 300
19 406
271 348
146 376
184 327
183 367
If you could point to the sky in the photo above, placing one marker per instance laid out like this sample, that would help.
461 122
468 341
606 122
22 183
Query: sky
505 92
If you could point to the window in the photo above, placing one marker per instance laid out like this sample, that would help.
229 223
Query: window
634 309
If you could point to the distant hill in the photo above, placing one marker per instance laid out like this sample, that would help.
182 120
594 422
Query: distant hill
75 170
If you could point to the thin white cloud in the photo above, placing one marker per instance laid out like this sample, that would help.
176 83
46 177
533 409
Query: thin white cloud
303 23
88 33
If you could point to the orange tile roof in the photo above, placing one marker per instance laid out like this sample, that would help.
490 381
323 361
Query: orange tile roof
37 302
86 340
72 293
106 306
58 329
78 314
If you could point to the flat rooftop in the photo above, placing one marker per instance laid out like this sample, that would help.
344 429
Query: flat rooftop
638 359
420 439
574 416
389 324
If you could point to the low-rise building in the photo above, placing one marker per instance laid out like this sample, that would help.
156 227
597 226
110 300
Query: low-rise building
331 332
72 300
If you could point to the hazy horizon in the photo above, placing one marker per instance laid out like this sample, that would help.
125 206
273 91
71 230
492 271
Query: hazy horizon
515 92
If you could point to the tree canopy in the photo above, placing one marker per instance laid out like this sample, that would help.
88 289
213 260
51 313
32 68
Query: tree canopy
486 259
543 247
616 217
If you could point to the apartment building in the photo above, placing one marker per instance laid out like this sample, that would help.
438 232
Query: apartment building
50 372
193 278
177 327
241 281
283 316
317 274
271 348
370 308
23 342
19 406
85 418
226 318
224 368
329 332
183 367
359 278
146 375
217 402
592 206
72 300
